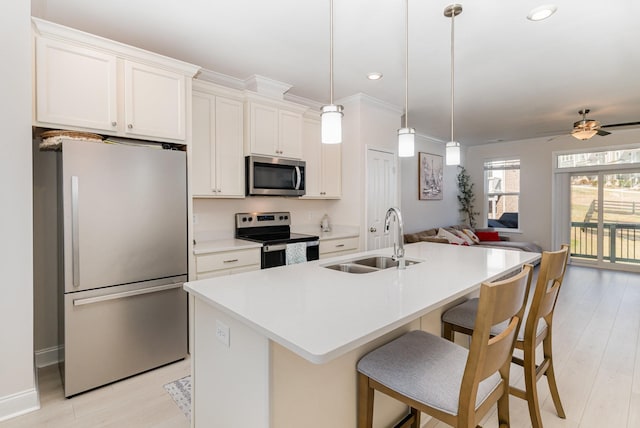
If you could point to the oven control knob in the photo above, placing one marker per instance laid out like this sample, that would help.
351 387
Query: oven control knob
286 217
244 219
281 217
250 218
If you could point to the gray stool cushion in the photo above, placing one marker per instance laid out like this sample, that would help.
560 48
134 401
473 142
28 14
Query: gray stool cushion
464 315
426 368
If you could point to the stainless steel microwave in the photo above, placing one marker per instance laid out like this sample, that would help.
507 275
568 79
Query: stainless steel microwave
271 176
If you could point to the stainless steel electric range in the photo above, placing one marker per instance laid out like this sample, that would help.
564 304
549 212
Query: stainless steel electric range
273 230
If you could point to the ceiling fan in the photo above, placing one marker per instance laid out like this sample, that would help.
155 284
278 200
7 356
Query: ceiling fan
587 128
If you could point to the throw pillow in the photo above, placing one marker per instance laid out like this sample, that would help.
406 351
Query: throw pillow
463 236
471 235
453 239
488 236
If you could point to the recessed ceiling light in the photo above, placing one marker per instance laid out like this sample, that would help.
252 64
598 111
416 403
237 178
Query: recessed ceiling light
374 76
542 12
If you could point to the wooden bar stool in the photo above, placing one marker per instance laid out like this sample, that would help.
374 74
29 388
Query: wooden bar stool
442 379
535 330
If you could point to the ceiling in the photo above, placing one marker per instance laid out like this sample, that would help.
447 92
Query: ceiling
514 78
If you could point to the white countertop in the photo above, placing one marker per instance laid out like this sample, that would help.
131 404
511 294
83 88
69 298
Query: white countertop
230 244
321 314
219 245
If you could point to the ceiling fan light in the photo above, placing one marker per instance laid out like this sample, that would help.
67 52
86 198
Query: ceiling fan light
452 154
331 124
584 134
406 142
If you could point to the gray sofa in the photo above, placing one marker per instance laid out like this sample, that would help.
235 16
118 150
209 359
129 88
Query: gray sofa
430 235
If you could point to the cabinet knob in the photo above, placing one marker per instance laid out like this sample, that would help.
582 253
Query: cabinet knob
130 126
114 124
373 229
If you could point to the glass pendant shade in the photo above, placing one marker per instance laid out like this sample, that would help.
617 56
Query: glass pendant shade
584 134
331 124
452 155
406 142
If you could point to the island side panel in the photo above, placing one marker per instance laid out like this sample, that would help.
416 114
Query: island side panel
230 384
310 395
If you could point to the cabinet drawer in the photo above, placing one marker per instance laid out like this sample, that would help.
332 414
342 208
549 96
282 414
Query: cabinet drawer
334 245
227 260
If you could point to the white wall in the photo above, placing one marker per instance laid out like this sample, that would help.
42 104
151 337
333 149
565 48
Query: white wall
536 176
421 214
17 386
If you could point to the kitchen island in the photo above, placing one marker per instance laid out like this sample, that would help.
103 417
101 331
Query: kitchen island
278 347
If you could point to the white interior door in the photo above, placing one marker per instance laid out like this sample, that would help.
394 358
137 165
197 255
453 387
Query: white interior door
382 193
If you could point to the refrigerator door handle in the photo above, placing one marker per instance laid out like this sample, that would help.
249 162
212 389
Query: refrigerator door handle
90 300
75 232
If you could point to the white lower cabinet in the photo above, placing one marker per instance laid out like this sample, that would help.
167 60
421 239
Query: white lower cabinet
323 164
338 246
217 168
227 262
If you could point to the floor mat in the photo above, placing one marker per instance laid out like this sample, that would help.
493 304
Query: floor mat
180 392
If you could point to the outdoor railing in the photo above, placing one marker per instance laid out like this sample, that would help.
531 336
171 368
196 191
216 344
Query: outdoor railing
621 241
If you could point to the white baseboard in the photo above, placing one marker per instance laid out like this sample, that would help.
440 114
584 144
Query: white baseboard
19 404
47 356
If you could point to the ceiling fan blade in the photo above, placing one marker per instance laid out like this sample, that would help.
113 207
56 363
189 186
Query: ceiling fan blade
602 132
619 125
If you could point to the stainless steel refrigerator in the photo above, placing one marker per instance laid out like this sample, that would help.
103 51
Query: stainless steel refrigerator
123 261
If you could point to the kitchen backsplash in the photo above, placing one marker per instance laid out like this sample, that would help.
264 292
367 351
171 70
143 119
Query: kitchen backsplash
214 218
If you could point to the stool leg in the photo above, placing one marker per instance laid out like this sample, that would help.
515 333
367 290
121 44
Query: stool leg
447 331
365 402
416 418
551 377
531 387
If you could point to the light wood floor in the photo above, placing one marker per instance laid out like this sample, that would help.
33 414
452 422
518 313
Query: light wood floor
596 350
140 401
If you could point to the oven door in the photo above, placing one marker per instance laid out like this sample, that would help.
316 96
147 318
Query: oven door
273 256
276 255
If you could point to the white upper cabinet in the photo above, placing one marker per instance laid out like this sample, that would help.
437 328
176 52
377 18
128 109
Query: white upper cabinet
87 83
154 102
273 128
217 168
290 127
263 129
323 163
75 86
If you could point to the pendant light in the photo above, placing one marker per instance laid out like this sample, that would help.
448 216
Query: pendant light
406 135
331 114
452 155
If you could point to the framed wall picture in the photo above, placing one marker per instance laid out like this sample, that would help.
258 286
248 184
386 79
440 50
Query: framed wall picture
430 176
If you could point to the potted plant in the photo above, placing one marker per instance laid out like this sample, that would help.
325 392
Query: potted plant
466 197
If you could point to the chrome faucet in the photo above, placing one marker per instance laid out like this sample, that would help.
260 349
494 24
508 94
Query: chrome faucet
398 248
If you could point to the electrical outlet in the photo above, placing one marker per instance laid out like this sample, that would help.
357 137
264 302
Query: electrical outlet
222 333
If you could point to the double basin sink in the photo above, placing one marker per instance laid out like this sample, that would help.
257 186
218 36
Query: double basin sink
369 264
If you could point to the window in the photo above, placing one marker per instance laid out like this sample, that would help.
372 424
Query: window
592 159
502 190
